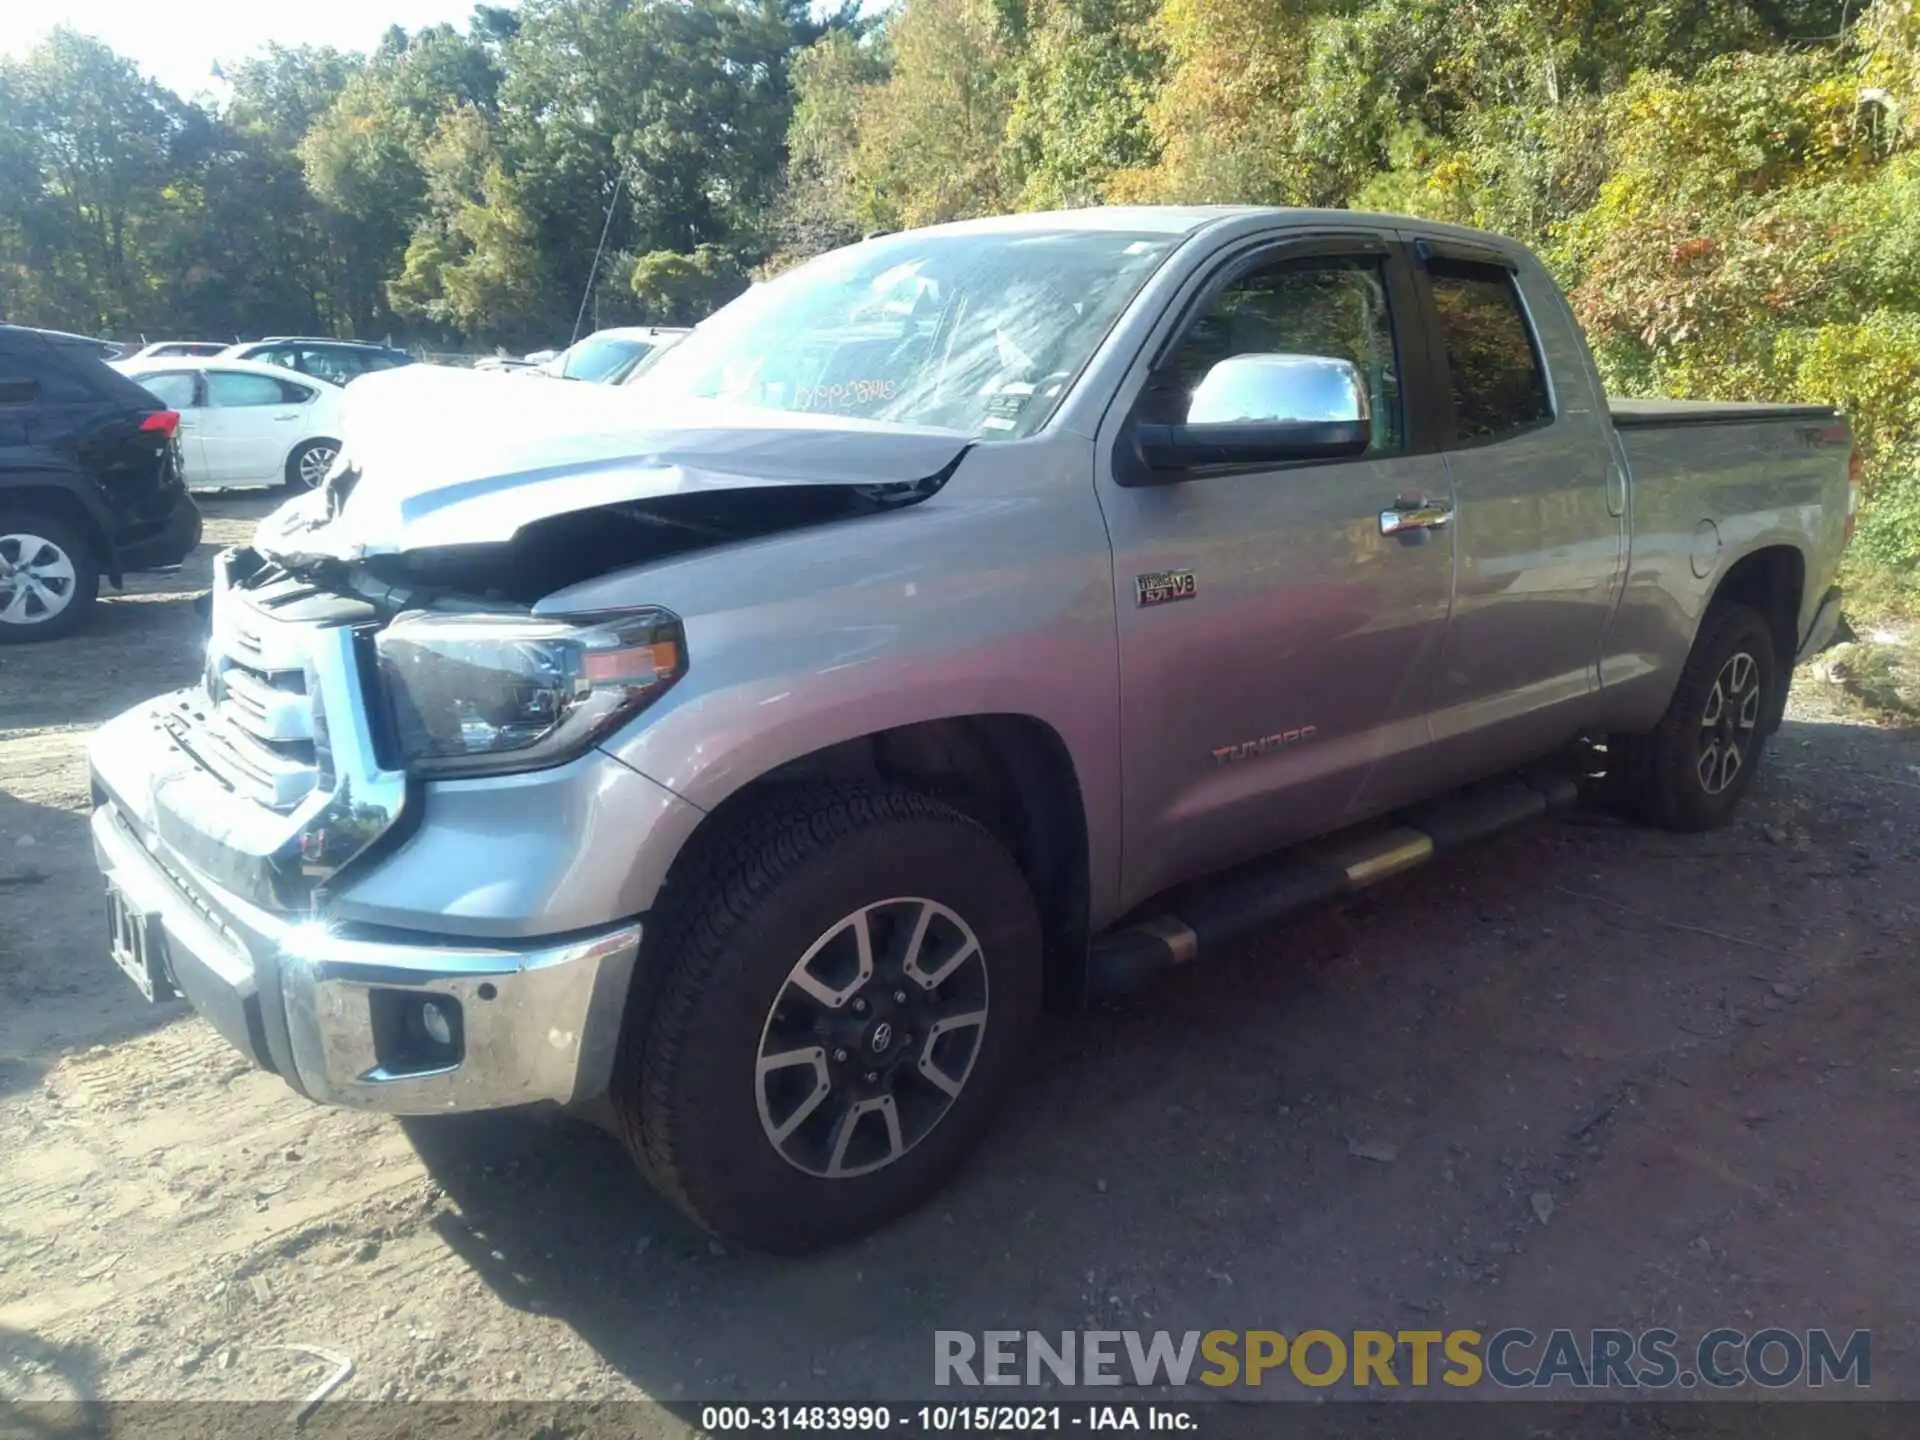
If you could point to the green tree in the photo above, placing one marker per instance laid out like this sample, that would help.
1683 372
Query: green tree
1088 72
933 136
819 208
677 289
90 144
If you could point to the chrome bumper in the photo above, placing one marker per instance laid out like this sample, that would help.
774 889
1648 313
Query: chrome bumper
535 1020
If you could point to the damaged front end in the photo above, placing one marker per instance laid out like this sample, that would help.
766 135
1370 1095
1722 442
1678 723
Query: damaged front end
507 493
381 631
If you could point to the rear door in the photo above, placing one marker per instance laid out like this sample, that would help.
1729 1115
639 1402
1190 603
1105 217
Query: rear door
252 422
1276 648
1539 528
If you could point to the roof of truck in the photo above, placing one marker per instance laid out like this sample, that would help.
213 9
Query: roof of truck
1187 219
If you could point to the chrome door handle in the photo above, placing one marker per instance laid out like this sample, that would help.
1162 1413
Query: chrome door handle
1415 515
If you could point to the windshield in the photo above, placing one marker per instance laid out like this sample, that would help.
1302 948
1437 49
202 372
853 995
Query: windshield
597 360
975 332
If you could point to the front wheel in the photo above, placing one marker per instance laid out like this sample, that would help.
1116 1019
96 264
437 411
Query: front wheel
1692 769
48 578
850 983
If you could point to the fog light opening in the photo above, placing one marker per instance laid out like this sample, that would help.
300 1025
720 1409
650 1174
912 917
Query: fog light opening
414 1033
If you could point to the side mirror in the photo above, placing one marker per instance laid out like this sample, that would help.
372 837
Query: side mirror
1262 409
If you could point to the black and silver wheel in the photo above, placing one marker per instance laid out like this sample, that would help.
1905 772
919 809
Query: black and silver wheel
1729 723
48 578
872 1038
1691 770
308 465
845 991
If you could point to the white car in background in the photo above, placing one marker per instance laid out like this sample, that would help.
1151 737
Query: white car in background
244 423
609 357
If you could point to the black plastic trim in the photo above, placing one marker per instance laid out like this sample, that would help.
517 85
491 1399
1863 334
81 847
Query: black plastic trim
1740 415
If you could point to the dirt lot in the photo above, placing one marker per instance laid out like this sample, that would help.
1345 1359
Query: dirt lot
1607 1078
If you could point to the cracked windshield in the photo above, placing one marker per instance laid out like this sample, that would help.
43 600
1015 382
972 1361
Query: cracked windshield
975 333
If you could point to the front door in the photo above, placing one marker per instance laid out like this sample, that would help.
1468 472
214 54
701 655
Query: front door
1276 648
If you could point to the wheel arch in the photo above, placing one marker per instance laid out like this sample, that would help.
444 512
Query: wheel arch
1013 773
1773 581
45 492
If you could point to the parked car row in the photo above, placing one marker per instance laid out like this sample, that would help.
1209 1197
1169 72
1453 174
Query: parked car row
337 361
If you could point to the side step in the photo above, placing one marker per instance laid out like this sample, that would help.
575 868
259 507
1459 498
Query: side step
1123 960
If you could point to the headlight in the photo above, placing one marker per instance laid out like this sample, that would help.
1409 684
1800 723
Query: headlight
483 694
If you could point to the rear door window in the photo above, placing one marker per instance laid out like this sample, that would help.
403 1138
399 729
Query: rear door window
1498 384
329 364
238 388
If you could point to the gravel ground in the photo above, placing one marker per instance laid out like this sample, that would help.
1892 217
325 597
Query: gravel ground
1587 1075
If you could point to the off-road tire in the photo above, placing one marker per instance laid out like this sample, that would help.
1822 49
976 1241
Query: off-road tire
764 889
1657 776
74 543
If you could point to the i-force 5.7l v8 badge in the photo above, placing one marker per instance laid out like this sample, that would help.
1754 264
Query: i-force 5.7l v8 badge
1163 587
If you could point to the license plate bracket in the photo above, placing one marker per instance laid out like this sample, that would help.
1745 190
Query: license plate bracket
138 946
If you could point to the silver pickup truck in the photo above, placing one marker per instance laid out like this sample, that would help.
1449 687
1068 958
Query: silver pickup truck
749 753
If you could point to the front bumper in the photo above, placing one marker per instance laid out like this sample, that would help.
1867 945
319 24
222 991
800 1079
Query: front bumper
156 544
537 1020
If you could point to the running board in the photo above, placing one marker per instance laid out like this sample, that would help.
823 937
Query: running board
1123 960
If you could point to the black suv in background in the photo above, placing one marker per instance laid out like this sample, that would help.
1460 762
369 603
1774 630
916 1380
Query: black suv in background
337 360
90 483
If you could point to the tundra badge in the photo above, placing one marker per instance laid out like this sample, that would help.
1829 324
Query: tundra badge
1265 745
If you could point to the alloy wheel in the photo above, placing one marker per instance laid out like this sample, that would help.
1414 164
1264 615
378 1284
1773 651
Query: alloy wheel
315 462
37 580
1728 722
872 1037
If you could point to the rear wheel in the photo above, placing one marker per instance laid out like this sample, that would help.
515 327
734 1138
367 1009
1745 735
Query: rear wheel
48 578
849 988
1692 769
308 465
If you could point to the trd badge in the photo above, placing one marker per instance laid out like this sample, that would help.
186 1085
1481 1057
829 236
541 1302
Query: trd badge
1163 587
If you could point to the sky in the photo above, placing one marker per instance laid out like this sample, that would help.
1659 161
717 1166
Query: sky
178 43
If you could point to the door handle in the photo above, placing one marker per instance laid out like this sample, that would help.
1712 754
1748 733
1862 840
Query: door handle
1415 515
286 418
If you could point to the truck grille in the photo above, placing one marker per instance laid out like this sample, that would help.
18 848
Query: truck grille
255 724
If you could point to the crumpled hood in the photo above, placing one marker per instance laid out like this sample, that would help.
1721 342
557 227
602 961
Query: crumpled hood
464 457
